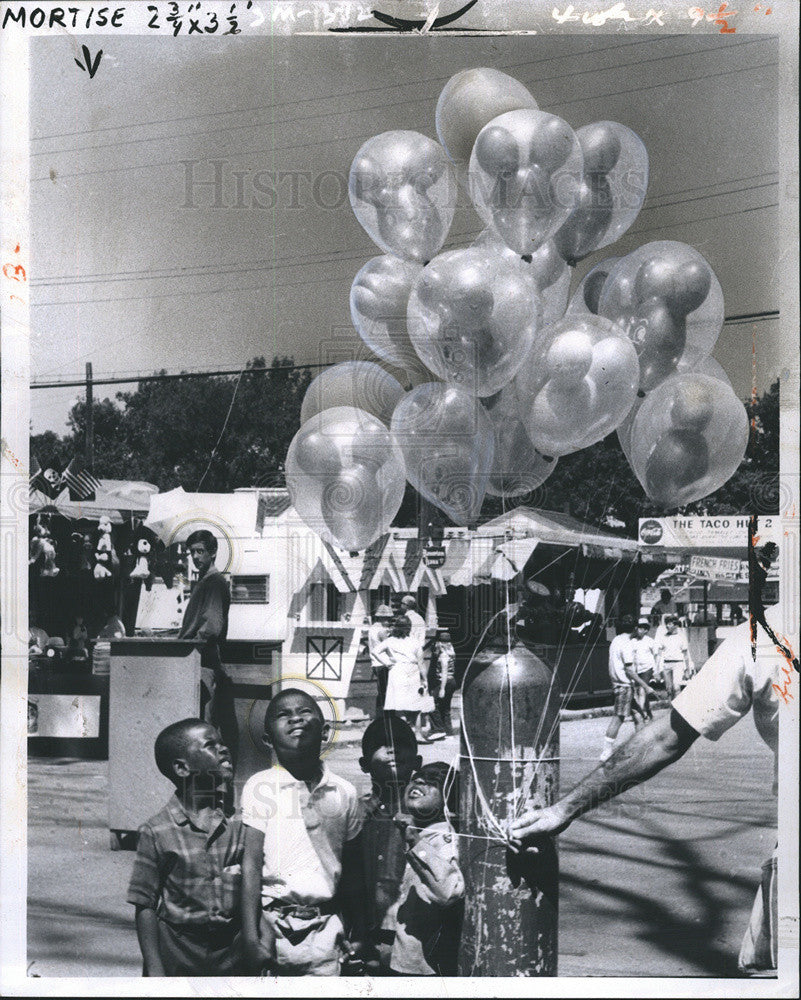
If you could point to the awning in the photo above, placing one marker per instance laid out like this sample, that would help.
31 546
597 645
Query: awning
511 557
477 566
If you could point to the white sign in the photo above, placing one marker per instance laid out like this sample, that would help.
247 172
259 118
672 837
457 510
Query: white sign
712 568
701 531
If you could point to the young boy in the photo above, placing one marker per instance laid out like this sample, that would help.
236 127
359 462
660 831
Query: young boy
302 825
187 875
673 656
429 914
389 756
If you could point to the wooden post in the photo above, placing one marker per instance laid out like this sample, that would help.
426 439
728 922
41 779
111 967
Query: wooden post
90 421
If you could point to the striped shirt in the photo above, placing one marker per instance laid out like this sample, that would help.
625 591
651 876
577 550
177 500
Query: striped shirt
191 876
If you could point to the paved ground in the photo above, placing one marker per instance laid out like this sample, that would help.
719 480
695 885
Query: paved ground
658 883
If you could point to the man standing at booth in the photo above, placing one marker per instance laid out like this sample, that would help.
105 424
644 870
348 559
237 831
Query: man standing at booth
206 622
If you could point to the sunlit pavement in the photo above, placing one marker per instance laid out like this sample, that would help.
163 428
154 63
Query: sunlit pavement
659 882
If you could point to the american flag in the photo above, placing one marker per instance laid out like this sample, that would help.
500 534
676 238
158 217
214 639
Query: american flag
82 484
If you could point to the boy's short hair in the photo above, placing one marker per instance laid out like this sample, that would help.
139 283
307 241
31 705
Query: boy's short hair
270 713
207 538
171 743
626 624
388 731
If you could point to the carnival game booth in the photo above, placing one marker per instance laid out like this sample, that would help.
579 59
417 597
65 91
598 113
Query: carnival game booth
71 602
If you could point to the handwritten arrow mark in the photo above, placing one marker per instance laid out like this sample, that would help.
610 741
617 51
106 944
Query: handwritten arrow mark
91 65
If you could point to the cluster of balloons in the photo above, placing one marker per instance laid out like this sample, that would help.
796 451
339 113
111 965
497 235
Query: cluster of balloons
508 371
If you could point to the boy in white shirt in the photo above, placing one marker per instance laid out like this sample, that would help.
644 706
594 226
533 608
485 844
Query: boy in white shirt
673 657
302 825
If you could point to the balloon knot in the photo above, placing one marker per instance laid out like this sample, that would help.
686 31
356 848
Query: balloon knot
640 394
527 257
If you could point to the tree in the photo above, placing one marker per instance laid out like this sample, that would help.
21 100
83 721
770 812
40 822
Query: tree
215 433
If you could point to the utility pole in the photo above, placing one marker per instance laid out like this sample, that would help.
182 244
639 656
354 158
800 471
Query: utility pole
90 421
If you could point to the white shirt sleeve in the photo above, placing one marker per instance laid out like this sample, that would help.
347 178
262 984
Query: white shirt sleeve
257 796
354 813
721 693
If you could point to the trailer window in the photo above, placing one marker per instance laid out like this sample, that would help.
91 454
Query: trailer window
250 590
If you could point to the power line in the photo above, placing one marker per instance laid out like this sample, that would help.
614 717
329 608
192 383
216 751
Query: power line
376 107
343 258
363 136
769 314
581 53
208 270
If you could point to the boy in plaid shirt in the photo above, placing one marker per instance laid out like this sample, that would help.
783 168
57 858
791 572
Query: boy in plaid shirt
187 875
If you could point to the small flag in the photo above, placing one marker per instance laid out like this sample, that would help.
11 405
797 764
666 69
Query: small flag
47 481
82 484
37 480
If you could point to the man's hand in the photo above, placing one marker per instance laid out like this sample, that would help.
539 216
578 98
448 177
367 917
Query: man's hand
538 823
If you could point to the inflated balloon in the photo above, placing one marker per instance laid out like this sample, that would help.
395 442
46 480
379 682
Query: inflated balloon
670 303
402 190
360 384
447 441
379 297
550 273
688 438
469 101
612 189
346 476
517 466
473 316
577 384
708 366
525 174
586 297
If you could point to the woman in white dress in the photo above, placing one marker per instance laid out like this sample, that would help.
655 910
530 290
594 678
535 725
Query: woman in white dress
407 684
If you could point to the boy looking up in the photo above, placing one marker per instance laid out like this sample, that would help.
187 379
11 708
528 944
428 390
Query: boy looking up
302 825
187 873
429 915
389 756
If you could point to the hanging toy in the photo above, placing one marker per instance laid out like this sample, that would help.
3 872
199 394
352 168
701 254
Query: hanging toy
143 570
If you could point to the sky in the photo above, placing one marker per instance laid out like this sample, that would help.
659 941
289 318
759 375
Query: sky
135 276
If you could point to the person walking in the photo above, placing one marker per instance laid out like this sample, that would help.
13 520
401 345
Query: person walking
376 634
407 682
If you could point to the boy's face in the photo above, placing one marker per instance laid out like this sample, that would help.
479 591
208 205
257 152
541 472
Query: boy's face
392 765
423 799
640 631
671 627
202 557
205 754
294 725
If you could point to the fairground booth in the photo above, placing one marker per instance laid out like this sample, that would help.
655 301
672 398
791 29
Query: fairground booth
82 585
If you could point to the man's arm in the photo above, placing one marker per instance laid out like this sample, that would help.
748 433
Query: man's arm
635 678
649 750
148 934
